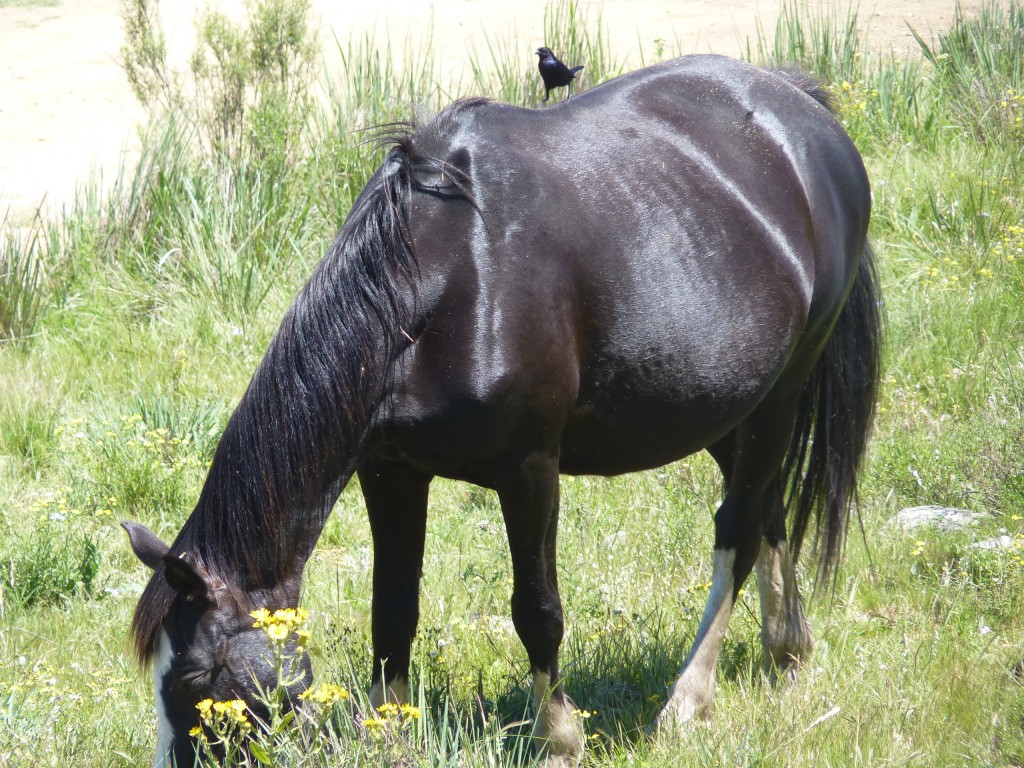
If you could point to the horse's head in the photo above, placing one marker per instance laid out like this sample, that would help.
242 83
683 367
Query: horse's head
206 648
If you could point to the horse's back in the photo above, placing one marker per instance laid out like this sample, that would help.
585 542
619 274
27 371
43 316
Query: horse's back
696 155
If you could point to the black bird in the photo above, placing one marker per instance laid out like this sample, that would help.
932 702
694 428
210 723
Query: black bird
554 73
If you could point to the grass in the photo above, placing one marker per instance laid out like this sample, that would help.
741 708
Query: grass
140 317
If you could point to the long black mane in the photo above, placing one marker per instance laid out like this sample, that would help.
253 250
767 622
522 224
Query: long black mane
292 442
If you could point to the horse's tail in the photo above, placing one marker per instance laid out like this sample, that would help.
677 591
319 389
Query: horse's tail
834 418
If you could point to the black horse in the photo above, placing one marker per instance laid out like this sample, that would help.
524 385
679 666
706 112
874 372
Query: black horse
673 261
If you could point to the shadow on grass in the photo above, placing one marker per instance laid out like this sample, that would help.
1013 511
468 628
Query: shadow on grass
618 678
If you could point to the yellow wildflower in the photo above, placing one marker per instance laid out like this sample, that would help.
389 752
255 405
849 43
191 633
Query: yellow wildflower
277 632
326 694
204 707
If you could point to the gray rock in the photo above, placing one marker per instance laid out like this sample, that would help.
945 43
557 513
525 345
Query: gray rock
1003 542
942 518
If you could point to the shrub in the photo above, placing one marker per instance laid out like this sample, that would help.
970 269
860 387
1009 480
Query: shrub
249 83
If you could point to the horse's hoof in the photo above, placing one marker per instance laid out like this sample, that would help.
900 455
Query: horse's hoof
563 746
679 714
560 761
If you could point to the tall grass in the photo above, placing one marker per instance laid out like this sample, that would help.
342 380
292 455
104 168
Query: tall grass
149 310
979 65
32 275
826 44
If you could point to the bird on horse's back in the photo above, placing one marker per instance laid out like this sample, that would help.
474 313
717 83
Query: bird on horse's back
675 260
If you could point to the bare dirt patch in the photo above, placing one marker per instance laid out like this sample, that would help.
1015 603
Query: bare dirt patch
66 110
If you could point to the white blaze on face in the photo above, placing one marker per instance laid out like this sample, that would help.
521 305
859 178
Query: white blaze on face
165 735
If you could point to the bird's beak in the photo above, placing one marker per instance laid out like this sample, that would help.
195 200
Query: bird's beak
537 52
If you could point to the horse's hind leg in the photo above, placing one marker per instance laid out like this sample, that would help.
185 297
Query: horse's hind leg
529 503
751 460
396 501
785 634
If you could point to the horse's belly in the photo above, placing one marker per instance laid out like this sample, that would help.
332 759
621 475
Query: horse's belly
667 403
639 436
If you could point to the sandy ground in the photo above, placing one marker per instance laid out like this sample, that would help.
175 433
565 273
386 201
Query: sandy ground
67 113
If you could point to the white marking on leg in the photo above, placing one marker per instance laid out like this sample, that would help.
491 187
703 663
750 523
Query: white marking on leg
693 694
164 732
397 692
558 728
785 634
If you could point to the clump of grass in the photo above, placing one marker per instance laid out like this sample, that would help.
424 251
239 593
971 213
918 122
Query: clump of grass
122 465
52 564
215 206
825 44
32 275
373 89
979 65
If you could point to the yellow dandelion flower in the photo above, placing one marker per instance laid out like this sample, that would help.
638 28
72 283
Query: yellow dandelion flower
204 707
326 694
410 712
388 709
277 632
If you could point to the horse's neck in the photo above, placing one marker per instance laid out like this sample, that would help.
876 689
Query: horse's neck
275 477
292 443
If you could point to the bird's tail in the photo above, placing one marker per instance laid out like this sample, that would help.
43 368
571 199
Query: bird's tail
574 70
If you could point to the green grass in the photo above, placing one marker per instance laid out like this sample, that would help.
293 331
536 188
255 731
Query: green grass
139 318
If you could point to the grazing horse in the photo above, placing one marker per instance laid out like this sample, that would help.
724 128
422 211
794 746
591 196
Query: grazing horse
675 260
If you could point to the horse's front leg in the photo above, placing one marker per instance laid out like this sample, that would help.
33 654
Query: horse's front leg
529 503
396 501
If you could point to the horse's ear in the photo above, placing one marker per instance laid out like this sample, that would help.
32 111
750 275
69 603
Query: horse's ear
185 579
145 544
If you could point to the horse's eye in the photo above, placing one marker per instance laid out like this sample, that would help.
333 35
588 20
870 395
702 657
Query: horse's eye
194 678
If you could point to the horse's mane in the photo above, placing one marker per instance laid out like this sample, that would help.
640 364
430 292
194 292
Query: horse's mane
293 438
809 85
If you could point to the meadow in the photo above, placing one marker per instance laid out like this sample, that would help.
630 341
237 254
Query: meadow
130 325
